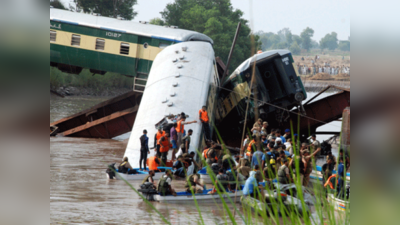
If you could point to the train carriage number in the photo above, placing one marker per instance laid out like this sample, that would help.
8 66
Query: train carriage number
111 34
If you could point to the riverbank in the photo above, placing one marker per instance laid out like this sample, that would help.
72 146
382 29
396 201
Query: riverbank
318 85
89 91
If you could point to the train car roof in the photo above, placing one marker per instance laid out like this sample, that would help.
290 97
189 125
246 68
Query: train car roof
258 58
125 26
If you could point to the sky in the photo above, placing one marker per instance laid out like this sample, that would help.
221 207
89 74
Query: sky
323 16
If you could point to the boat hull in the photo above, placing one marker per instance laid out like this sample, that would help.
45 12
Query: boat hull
199 197
340 205
140 175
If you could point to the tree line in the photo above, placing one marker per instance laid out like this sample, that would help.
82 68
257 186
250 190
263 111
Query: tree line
284 39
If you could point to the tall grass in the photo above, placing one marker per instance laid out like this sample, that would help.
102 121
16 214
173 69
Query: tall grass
87 80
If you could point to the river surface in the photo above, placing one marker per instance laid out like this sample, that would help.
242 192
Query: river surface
80 193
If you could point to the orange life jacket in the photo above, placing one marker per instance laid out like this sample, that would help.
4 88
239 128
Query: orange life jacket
328 182
153 164
165 145
180 127
159 135
250 145
203 115
205 153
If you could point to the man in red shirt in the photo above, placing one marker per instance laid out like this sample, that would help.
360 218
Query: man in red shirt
203 115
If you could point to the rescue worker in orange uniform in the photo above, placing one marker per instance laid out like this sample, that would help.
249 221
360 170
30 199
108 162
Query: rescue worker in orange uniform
154 163
180 128
165 144
160 133
203 115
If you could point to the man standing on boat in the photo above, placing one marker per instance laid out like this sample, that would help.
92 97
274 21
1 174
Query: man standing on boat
307 160
315 143
160 133
186 142
204 121
144 149
165 144
180 128
174 139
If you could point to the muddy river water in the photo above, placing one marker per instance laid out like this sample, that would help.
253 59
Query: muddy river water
80 193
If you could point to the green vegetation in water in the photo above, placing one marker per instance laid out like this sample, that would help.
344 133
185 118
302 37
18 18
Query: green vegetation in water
86 79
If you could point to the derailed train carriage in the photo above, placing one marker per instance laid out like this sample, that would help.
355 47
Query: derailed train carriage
276 83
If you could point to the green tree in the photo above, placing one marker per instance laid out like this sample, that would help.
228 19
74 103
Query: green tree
297 38
330 41
57 4
109 8
344 45
295 48
157 21
218 20
306 36
286 36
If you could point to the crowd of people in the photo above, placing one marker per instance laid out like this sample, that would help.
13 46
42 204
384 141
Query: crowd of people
315 66
264 156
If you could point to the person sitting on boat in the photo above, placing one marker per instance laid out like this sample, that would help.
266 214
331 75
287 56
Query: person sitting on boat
149 178
124 166
179 167
251 187
243 168
284 173
221 182
188 160
191 182
227 161
212 155
258 175
154 163
164 184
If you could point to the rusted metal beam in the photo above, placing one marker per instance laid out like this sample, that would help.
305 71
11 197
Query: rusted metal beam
116 122
321 112
103 109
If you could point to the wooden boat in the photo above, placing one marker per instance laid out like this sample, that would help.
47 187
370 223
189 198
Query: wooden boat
202 197
137 174
339 204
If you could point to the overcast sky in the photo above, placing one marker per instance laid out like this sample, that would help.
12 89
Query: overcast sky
324 16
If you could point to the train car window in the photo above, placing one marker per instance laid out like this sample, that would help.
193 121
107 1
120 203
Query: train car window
124 49
100 43
53 36
163 45
76 40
